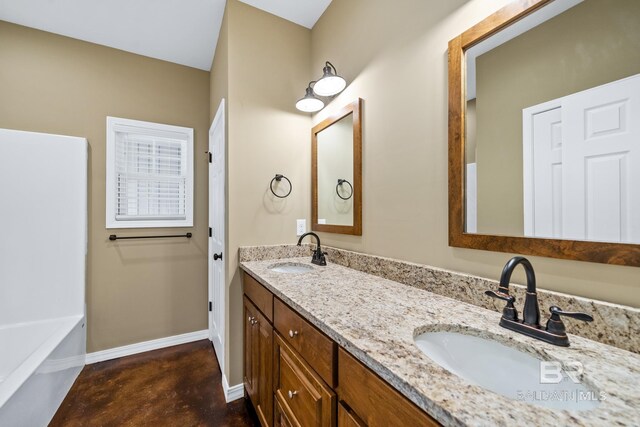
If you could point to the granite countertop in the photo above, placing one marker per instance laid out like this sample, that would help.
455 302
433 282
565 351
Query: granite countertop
376 319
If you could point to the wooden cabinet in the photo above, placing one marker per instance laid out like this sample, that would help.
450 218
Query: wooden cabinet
346 417
302 395
374 401
316 348
280 418
292 369
259 295
258 362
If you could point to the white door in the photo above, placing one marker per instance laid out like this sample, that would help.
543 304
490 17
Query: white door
542 150
602 146
217 254
581 164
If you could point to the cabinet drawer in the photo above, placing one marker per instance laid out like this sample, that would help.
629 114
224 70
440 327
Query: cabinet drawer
316 349
280 419
301 394
373 400
259 295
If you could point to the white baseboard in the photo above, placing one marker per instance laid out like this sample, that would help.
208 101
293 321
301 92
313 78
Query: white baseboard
232 393
141 347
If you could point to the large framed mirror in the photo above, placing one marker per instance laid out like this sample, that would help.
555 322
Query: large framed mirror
336 180
544 131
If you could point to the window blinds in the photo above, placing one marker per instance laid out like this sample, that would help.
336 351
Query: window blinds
151 177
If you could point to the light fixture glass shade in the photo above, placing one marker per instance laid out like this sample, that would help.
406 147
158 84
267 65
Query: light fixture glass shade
309 104
330 84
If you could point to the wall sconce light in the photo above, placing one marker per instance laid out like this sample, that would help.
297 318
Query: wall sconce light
329 84
310 104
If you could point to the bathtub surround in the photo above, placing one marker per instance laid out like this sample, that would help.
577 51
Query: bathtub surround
42 272
136 290
613 324
376 320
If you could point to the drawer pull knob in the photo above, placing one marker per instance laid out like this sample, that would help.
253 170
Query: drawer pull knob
292 393
292 334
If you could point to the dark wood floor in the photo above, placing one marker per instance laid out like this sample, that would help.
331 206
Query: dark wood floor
176 386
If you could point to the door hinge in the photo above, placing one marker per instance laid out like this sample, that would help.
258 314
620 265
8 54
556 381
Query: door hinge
210 306
210 157
210 232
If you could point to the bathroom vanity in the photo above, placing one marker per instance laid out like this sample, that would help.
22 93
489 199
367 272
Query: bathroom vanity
340 345
294 368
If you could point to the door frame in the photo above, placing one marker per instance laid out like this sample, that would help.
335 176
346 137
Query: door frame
218 340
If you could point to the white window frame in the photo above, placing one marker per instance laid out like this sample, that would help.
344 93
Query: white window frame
115 124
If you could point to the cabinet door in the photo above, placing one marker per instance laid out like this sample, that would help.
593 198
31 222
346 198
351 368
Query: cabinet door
346 418
250 313
373 400
305 399
263 354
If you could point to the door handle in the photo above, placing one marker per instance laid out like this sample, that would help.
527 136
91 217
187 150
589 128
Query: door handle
217 256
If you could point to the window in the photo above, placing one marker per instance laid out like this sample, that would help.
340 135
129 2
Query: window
149 174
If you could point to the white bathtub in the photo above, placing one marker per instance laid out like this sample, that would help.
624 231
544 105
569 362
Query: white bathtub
39 361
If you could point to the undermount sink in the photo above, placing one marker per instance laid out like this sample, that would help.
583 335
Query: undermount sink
504 370
291 268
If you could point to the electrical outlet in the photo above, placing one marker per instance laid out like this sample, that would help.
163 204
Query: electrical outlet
301 227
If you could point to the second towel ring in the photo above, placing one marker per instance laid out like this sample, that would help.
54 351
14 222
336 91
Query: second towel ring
278 178
340 182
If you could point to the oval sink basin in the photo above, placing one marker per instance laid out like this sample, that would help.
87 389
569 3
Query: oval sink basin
506 371
291 268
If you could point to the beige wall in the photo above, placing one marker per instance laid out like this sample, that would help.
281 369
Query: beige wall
138 290
267 66
400 70
593 43
335 160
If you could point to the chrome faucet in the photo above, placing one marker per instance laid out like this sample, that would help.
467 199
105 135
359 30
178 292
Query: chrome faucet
318 256
554 332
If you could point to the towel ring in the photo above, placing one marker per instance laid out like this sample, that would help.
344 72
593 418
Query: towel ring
340 182
278 178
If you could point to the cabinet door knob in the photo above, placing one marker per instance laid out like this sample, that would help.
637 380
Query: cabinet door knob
292 333
292 393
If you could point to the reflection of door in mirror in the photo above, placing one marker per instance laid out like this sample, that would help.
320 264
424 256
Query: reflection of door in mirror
335 163
579 179
552 144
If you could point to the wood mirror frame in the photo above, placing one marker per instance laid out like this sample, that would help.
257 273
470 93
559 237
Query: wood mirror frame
354 108
609 253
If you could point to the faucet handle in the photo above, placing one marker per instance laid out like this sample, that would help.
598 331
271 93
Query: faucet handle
510 299
556 312
555 324
509 312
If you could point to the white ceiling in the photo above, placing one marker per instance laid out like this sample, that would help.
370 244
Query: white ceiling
302 12
180 31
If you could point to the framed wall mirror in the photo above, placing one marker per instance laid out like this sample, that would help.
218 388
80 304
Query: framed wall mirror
544 131
336 165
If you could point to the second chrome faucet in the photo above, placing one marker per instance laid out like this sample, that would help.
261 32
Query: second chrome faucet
554 332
